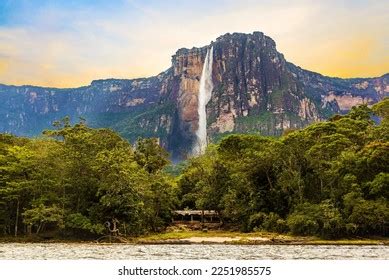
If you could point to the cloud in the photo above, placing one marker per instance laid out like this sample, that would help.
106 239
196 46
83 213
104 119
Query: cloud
67 46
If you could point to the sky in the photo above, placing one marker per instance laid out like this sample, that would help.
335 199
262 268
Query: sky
69 43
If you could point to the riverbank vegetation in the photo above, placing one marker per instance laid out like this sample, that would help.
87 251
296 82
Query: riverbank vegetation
329 180
82 181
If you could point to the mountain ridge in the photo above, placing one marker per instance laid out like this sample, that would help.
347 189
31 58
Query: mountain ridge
256 90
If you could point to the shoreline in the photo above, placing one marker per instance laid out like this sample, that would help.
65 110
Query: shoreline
206 238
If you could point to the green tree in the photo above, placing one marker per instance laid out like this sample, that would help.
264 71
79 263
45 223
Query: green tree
150 155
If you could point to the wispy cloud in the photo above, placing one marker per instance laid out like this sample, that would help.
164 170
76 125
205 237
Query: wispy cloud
71 43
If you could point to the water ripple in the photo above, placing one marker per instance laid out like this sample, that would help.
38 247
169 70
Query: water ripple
195 251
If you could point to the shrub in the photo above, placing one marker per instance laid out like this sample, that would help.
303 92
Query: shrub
79 222
269 222
322 219
256 221
369 217
330 220
273 222
301 224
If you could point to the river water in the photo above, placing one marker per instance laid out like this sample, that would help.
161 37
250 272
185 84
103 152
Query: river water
17 251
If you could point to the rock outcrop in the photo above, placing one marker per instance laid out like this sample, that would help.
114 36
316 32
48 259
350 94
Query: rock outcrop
255 91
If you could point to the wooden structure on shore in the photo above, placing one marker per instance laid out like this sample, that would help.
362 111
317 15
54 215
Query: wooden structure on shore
193 216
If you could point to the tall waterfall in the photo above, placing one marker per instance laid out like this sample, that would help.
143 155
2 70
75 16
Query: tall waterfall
205 91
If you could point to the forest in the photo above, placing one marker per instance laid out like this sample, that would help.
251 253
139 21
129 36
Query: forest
330 179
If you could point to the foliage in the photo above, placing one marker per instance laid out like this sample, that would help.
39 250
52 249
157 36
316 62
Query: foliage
77 221
330 179
75 179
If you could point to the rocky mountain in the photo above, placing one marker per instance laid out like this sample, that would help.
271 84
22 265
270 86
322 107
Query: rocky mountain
255 90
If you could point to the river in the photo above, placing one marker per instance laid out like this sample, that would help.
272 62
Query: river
30 251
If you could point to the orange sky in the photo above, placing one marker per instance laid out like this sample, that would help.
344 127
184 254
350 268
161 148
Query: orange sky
61 46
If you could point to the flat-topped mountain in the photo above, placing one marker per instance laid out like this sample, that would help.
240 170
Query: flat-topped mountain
254 90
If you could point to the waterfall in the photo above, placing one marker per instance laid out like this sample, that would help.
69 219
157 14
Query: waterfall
204 96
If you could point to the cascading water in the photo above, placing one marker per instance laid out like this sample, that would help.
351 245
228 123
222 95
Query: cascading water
205 91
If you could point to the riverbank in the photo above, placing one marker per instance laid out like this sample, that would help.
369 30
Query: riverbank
253 238
209 237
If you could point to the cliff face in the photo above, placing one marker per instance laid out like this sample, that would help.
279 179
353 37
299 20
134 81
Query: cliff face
255 90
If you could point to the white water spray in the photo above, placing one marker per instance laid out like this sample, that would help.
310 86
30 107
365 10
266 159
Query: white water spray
205 91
